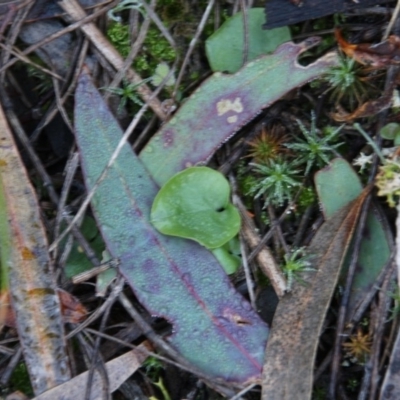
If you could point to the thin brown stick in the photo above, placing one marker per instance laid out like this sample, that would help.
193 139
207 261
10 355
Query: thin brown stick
60 33
15 30
269 234
116 289
52 112
264 258
345 299
73 8
96 356
70 170
383 309
21 57
245 55
192 44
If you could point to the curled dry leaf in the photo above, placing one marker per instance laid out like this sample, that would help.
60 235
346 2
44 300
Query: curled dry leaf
297 325
367 109
378 55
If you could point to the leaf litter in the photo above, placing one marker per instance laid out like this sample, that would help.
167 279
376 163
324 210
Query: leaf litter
217 112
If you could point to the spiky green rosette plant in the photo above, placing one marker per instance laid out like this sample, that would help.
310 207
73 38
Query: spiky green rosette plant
277 180
317 149
346 82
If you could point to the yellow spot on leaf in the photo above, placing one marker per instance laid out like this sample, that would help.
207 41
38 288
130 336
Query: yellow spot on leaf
27 254
232 119
226 105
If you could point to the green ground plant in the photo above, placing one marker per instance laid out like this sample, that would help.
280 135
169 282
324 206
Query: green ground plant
127 93
317 149
347 82
277 181
295 263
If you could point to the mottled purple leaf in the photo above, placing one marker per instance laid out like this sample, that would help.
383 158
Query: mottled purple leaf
223 104
213 326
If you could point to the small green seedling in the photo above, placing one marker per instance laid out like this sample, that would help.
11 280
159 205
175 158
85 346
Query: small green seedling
194 204
128 93
296 262
391 131
161 72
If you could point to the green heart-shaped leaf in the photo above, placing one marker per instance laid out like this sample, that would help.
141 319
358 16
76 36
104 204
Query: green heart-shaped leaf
194 204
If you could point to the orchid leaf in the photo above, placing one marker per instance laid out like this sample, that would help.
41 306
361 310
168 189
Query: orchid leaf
223 104
194 204
225 47
214 328
337 184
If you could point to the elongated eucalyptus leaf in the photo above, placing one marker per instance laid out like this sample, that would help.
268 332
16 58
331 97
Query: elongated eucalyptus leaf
213 326
223 104
24 252
290 354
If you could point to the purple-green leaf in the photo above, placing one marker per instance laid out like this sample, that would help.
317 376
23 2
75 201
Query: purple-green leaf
223 104
213 326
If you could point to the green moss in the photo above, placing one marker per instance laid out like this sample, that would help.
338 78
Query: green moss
171 11
118 34
155 48
306 198
20 380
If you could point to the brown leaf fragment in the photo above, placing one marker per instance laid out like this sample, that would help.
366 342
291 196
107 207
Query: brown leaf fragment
367 109
378 55
72 309
293 341
118 370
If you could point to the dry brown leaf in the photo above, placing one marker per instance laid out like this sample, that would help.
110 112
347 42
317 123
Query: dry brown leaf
378 55
118 370
292 345
72 310
367 109
24 252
